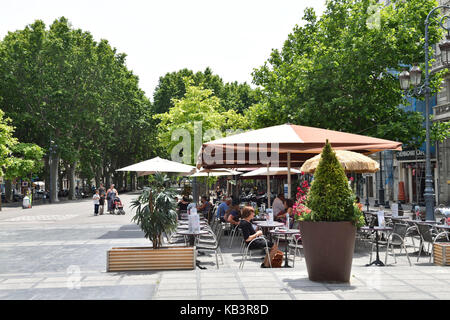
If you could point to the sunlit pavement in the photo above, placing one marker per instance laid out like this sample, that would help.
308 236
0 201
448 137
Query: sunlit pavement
58 251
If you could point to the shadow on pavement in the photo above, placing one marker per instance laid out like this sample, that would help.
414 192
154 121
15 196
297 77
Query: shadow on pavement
124 232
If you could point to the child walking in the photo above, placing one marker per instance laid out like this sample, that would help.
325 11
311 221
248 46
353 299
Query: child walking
96 199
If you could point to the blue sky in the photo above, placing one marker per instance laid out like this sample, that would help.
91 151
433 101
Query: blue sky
232 37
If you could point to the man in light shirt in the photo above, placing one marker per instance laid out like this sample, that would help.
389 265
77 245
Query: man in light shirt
223 207
278 204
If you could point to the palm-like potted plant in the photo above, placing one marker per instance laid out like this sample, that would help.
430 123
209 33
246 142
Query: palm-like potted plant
328 227
155 210
155 215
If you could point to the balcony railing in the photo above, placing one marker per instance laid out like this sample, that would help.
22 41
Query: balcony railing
442 109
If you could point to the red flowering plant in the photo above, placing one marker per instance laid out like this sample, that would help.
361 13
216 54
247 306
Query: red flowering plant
299 207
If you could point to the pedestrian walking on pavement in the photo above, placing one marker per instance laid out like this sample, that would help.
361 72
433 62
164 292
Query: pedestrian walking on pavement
102 192
111 194
96 199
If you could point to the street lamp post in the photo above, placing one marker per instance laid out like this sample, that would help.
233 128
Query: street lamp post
413 77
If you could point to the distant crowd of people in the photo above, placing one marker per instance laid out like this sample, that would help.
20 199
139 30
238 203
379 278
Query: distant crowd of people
101 195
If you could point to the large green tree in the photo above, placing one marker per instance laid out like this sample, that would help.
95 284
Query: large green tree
17 160
198 114
233 95
338 71
66 91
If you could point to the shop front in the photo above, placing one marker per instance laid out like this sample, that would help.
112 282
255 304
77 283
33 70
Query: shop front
411 184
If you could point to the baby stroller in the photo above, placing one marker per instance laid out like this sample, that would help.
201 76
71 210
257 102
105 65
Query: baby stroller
117 206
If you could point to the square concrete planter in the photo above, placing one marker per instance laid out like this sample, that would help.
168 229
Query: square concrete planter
147 258
328 248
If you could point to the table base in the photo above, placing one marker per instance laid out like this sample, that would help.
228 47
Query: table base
376 262
422 254
197 263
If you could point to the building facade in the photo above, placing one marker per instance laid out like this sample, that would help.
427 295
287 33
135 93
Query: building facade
441 112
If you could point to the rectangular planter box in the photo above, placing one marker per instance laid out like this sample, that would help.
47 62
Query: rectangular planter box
441 253
147 258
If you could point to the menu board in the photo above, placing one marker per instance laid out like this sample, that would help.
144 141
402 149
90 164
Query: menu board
394 208
381 222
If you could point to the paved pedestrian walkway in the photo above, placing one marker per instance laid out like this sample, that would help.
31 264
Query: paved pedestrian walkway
58 251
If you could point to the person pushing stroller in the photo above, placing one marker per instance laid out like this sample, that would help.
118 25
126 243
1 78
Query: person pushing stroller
111 194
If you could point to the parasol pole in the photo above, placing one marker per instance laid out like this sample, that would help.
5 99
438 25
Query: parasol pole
268 187
289 173
207 186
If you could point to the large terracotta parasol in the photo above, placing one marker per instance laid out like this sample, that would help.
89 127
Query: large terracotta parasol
351 161
286 145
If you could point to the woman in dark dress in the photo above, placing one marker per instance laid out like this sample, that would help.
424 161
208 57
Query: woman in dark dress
248 232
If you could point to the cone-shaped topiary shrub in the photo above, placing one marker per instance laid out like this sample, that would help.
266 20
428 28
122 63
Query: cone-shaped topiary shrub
330 198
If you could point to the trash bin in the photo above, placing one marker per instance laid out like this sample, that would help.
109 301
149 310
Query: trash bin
26 202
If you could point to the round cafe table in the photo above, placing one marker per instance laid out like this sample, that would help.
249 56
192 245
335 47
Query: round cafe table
377 261
192 238
192 235
266 225
286 233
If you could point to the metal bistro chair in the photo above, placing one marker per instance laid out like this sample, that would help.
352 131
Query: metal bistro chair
362 236
236 229
214 245
295 244
412 232
212 213
399 232
427 234
246 249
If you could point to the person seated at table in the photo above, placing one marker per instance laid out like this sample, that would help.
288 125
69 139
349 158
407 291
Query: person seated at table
278 204
222 209
183 204
204 207
288 208
249 233
233 214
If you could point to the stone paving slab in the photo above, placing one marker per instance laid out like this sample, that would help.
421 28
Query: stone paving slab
66 259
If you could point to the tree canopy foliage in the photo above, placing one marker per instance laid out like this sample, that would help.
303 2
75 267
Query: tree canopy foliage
339 71
197 106
59 84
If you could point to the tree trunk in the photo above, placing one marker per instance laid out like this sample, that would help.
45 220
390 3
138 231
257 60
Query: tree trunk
120 180
8 191
133 181
54 164
71 177
97 177
107 179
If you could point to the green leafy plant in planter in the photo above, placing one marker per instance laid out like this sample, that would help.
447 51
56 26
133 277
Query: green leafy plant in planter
155 210
329 221
330 197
